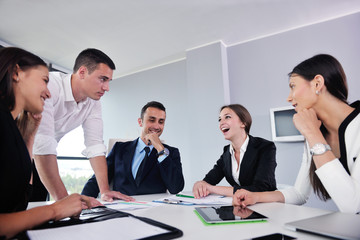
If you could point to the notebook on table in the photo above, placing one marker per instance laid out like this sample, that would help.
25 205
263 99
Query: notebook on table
336 225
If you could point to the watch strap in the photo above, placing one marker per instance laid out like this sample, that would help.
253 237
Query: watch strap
165 152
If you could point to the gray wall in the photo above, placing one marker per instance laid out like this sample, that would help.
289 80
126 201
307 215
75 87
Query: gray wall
253 74
192 94
258 76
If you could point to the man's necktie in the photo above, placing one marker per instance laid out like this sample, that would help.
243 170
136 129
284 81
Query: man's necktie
141 167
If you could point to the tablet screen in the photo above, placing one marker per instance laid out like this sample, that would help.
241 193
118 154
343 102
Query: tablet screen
221 214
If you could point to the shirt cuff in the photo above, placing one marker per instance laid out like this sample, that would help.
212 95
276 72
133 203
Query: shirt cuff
94 151
162 158
292 196
328 173
165 154
44 145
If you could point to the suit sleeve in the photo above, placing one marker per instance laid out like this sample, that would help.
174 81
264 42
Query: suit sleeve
215 175
91 187
264 178
171 171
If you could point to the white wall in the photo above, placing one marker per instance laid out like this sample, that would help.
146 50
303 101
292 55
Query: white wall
127 95
206 78
253 74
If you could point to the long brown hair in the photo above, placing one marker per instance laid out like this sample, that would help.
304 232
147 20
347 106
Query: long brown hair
242 113
12 58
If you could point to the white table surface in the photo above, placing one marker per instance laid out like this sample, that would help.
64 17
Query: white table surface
184 218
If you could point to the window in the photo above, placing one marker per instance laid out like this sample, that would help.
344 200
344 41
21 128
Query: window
74 168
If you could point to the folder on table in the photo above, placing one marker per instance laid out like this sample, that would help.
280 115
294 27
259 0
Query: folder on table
94 223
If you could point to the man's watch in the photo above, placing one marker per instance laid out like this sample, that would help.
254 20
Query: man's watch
164 152
319 149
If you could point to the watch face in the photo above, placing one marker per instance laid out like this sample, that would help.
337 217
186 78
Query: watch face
319 149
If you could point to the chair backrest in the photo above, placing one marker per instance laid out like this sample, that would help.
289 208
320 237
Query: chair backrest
112 142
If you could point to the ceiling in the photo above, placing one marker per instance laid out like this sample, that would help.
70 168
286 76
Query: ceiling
140 34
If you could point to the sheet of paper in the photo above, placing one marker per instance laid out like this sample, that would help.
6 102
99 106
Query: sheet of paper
118 228
208 200
122 205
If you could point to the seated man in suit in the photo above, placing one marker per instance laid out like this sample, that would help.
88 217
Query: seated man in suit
145 165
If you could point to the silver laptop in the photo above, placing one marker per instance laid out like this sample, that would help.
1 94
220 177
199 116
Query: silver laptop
336 225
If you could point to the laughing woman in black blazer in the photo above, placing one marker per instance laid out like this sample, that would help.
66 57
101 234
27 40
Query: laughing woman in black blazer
248 162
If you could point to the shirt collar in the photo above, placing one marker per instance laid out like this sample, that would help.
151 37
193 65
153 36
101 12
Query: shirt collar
242 148
141 145
69 97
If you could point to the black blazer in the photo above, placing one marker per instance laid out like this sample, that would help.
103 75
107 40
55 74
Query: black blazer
15 165
257 169
156 177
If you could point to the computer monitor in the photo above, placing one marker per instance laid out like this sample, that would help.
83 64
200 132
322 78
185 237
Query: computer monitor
282 126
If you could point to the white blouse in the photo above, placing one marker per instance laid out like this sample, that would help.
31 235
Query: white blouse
235 168
343 188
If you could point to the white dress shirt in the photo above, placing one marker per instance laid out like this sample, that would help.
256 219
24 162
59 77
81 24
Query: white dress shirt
234 165
62 114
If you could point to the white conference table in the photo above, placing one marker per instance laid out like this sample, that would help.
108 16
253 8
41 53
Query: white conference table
184 218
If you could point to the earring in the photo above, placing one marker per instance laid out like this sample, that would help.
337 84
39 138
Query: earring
317 92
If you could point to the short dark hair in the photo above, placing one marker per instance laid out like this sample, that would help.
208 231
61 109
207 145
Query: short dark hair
331 70
90 58
153 104
242 113
10 58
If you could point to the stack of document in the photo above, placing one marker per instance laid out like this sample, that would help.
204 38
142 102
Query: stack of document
183 199
126 206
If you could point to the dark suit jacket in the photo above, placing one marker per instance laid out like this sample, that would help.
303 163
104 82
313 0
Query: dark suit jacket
257 169
156 177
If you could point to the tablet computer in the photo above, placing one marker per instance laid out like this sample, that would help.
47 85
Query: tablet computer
229 214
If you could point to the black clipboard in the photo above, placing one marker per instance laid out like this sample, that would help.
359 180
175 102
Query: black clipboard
103 213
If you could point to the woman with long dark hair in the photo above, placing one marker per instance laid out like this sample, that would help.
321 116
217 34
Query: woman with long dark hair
331 127
23 90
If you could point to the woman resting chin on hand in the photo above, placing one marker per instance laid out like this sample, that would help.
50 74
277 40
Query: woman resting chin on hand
331 127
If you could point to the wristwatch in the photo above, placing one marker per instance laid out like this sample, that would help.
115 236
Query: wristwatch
164 152
319 148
